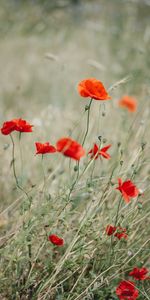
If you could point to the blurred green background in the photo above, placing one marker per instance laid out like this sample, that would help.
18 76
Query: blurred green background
47 47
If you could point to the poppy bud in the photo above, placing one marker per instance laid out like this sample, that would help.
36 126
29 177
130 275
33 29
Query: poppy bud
86 107
143 146
76 168
104 140
121 152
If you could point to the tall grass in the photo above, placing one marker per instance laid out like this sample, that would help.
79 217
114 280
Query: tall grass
41 66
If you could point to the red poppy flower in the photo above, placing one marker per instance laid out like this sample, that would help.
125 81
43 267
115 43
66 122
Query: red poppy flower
139 273
44 148
126 291
110 229
70 148
128 102
93 88
56 240
121 233
22 125
95 152
8 127
104 153
127 189
17 125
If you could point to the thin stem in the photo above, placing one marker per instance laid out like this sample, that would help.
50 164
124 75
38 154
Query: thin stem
88 121
43 172
21 157
112 237
13 159
117 214
77 177
92 170
14 169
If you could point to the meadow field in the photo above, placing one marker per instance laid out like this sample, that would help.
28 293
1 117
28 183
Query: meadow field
66 231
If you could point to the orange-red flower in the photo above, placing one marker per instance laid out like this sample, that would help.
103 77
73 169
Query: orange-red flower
56 240
126 291
93 88
22 125
70 148
139 273
110 229
121 233
128 102
44 148
8 127
96 152
16 125
127 189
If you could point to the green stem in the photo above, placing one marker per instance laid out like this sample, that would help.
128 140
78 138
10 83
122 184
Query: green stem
43 172
117 214
14 169
112 237
21 157
88 122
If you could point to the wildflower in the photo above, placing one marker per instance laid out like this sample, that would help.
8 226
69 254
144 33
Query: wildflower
44 148
139 273
121 233
95 152
110 229
93 88
128 102
22 125
56 240
8 127
127 189
70 148
126 291
104 153
16 125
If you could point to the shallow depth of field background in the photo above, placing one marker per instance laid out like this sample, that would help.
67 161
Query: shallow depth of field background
46 48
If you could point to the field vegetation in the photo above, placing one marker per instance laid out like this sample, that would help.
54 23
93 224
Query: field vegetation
67 232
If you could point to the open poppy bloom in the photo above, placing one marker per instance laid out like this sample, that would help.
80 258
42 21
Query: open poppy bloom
96 152
8 127
22 125
70 148
127 189
126 291
93 88
139 273
44 148
110 229
128 102
16 125
121 233
56 240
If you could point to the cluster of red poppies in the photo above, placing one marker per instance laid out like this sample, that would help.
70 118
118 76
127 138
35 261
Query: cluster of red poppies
126 290
118 232
93 89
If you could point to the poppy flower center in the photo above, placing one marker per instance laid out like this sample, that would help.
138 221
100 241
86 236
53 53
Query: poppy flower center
127 293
